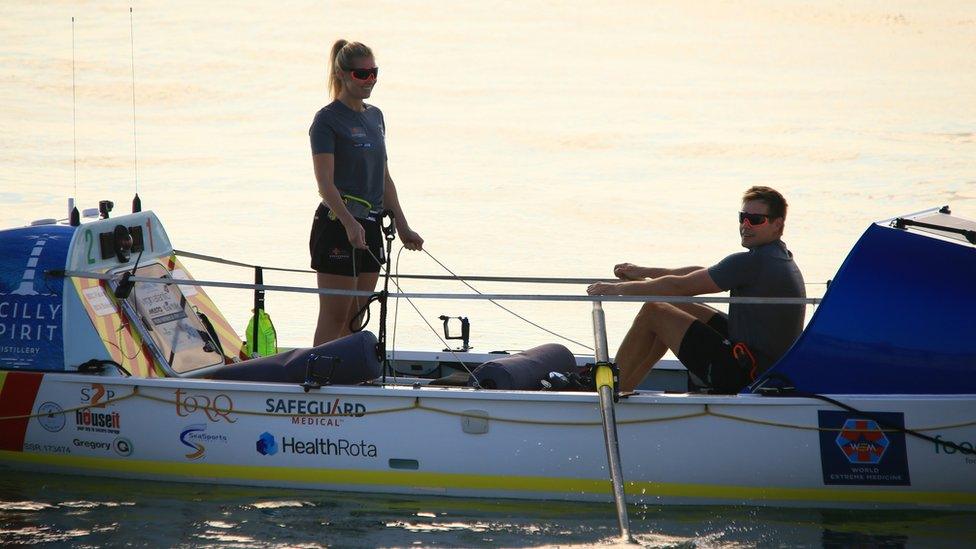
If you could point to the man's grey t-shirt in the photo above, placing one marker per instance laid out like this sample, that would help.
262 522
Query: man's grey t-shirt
357 139
764 271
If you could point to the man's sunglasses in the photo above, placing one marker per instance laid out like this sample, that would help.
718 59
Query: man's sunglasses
364 74
754 219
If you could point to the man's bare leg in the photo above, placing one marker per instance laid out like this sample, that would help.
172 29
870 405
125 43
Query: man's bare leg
651 335
638 353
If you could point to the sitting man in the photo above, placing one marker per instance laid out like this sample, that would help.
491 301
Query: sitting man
727 352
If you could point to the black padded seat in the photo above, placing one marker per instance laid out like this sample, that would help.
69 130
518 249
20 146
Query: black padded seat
524 371
356 354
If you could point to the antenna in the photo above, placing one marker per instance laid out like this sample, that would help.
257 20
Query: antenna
72 210
136 202
74 108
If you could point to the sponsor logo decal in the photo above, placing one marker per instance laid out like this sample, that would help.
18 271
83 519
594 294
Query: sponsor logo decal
194 436
266 445
92 444
216 409
303 407
30 306
122 446
25 319
53 419
862 441
94 421
97 395
967 449
318 446
315 413
855 449
338 254
314 421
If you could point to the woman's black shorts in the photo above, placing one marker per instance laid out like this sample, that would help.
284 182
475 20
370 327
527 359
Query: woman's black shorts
333 254
707 352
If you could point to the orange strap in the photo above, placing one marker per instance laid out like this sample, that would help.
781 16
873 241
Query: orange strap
741 351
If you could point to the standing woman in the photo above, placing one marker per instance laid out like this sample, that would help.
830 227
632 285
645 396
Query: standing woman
349 156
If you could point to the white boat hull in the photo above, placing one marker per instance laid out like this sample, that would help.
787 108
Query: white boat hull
675 448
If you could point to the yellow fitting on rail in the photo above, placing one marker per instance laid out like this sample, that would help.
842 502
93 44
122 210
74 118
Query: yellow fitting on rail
604 376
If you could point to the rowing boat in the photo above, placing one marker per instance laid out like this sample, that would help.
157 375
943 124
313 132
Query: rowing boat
113 361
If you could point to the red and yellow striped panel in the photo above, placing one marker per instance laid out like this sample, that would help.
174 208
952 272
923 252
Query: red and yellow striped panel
229 340
123 343
17 393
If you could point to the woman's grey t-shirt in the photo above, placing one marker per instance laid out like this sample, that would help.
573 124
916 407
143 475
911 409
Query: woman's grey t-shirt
358 141
763 271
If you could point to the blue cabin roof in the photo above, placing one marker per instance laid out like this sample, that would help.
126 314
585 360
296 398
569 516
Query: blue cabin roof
898 318
31 303
44 323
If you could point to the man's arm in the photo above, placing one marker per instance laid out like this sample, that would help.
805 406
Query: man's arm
693 283
629 271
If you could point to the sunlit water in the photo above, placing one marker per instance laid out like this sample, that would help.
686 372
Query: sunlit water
526 138
70 510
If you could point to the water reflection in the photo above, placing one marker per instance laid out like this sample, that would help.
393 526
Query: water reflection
37 508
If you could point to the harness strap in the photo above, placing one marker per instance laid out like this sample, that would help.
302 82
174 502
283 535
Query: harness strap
355 205
742 353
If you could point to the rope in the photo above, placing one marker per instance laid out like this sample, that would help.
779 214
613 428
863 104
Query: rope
135 392
825 429
225 411
212 259
396 311
447 347
502 307
417 405
871 415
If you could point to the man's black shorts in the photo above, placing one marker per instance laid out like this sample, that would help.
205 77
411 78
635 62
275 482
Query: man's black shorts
333 254
707 352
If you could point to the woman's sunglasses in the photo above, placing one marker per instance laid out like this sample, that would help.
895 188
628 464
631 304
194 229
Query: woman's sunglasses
753 219
364 74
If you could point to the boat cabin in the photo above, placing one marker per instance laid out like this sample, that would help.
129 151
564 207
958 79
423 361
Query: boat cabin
101 298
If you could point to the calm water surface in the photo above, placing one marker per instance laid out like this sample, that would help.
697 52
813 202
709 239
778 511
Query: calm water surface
526 138
46 509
